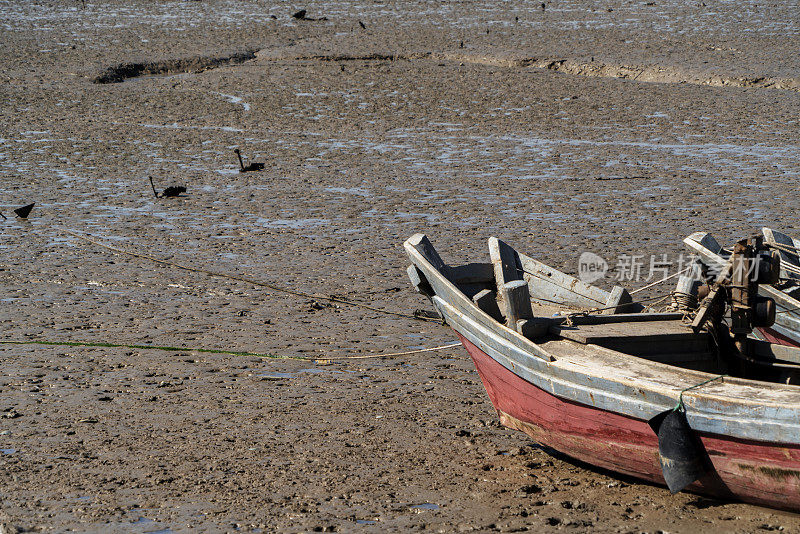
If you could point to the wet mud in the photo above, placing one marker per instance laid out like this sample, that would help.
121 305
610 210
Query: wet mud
570 129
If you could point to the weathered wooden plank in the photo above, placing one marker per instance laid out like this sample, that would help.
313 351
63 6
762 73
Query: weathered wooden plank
470 290
623 318
418 281
551 285
787 309
707 241
516 302
492 335
683 357
774 237
472 273
619 301
772 352
648 346
641 331
534 327
423 245
707 248
505 262
486 300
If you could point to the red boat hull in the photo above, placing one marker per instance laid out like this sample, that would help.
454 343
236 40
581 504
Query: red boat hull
755 472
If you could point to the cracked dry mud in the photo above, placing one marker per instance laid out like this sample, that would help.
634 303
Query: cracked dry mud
544 128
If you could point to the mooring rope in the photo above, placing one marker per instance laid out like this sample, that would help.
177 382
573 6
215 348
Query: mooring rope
680 405
220 351
623 304
648 286
392 354
153 347
329 298
684 301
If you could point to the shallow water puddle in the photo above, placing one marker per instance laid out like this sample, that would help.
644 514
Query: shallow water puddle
145 521
424 506
358 191
276 376
233 99
294 224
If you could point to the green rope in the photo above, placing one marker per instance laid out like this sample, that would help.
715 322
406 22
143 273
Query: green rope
325 359
153 347
680 405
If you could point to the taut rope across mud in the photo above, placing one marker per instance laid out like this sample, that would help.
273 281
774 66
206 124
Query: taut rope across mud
330 298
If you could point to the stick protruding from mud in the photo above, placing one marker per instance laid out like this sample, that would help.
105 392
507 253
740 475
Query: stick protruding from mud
239 155
153 186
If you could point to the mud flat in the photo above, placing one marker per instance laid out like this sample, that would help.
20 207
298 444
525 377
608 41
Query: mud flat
616 129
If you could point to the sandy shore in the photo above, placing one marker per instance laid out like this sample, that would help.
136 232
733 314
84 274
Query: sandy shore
617 129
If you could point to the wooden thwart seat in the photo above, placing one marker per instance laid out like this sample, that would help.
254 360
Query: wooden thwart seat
639 337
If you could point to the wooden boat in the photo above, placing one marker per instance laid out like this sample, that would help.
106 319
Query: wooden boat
786 293
596 387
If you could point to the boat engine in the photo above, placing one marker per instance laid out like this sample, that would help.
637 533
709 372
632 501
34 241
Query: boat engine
736 289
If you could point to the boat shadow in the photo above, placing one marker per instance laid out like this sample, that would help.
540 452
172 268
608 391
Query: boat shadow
699 502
